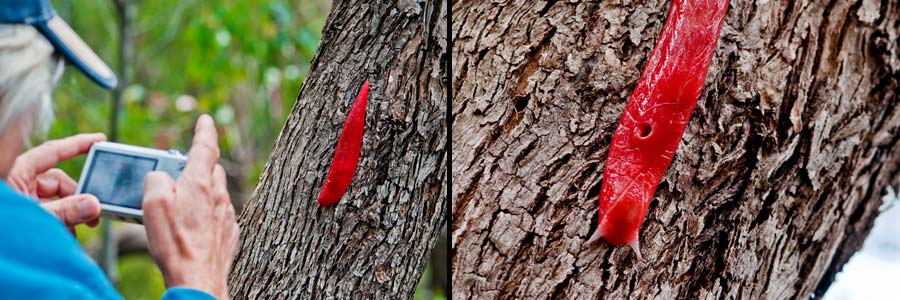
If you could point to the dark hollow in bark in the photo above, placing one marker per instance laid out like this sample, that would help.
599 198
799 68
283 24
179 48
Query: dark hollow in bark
776 182
375 243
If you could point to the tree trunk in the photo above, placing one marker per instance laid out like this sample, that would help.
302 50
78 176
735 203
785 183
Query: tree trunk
776 182
375 243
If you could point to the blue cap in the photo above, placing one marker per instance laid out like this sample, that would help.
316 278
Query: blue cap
40 14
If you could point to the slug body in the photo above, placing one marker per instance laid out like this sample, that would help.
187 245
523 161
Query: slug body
655 117
346 154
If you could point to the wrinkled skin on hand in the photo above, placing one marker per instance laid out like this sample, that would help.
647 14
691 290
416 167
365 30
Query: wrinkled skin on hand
191 228
33 174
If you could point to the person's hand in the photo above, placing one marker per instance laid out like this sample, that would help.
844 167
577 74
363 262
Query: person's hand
190 223
33 174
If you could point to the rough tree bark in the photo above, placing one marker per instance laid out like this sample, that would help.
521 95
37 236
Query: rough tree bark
776 182
374 244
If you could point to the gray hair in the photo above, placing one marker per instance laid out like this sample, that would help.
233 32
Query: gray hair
29 72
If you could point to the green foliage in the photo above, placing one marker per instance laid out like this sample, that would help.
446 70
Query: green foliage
424 290
194 57
241 61
140 279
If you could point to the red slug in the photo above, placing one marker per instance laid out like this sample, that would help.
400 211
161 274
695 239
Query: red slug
655 118
346 154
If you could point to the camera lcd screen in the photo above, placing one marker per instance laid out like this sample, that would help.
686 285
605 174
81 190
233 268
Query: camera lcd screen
118 179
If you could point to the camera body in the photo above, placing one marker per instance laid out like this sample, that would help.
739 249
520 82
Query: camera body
114 173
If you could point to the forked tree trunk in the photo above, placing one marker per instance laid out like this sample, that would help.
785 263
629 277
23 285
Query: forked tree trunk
776 182
374 244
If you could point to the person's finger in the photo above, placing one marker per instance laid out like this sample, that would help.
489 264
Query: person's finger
42 158
220 186
159 191
234 239
204 151
74 210
55 183
93 223
159 197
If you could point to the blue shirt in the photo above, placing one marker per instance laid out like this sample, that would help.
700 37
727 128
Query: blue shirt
40 259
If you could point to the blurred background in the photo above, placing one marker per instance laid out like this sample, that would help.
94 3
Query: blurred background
873 272
241 61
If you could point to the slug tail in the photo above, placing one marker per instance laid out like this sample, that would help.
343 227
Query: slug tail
598 233
636 246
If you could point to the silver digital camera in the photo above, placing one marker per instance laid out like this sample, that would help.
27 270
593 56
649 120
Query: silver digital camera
114 173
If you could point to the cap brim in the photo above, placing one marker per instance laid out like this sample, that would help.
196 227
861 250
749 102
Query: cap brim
77 52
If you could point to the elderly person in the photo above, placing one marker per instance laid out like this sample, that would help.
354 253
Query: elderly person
190 222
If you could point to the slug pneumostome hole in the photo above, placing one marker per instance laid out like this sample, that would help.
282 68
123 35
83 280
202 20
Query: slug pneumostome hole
644 131
521 104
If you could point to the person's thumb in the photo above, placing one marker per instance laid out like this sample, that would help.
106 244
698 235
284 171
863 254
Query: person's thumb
75 209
